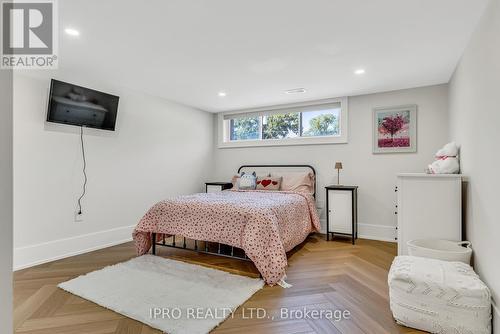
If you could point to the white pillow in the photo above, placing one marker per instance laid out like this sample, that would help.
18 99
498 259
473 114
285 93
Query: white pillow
297 181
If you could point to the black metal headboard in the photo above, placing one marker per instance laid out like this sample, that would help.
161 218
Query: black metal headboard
283 166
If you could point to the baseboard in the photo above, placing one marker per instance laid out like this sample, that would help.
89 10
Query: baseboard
377 232
371 231
29 256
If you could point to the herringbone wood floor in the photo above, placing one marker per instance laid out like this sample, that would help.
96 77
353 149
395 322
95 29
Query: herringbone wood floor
334 275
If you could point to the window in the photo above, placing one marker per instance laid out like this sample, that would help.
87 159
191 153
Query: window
281 126
245 128
320 123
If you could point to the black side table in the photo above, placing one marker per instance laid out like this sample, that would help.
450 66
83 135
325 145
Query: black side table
342 214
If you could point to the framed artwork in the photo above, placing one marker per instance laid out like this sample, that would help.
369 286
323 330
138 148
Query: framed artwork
395 129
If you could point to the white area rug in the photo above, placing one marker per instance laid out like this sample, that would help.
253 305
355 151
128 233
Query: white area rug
192 299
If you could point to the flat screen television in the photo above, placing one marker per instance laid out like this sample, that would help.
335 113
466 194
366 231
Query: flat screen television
80 106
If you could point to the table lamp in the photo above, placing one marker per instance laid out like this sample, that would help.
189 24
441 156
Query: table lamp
338 167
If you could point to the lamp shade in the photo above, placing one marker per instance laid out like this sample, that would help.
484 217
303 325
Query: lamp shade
338 165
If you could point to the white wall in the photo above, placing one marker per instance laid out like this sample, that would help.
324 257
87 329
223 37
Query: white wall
375 174
160 149
474 119
5 201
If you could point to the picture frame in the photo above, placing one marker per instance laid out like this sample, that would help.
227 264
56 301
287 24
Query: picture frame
395 129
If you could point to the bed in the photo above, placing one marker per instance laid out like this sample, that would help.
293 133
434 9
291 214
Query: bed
263 224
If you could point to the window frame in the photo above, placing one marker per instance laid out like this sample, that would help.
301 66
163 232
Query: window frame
224 127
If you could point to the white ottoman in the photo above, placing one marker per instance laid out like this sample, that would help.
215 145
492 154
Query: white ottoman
438 296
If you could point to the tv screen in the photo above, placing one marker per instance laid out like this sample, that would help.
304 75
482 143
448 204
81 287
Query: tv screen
80 106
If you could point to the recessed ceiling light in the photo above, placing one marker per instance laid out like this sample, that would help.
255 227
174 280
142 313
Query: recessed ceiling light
296 91
359 71
72 32
222 94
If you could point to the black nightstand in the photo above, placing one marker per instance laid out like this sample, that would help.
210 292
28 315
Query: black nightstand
342 211
212 187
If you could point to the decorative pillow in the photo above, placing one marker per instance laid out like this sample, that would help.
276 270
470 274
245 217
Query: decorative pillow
298 181
236 179
247 181
269 183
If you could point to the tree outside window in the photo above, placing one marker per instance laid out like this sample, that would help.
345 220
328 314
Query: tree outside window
321 123
280 126
245 128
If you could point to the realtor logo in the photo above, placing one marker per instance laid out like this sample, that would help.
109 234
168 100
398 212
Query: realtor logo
29 34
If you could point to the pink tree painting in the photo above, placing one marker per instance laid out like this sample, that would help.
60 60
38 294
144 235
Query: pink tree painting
393 129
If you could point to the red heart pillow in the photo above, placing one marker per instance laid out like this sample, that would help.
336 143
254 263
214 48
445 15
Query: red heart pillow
266 182
269 183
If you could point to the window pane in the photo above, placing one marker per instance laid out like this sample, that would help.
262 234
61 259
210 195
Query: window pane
279 126
244 128
321 123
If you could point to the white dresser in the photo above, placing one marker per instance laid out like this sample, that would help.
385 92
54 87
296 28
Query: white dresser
429 207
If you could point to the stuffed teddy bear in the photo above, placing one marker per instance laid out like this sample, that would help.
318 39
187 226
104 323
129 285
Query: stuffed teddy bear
446 161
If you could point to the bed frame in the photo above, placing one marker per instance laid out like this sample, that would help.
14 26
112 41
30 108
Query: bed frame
221 249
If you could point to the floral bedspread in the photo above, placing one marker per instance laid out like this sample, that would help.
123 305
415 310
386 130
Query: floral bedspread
265 224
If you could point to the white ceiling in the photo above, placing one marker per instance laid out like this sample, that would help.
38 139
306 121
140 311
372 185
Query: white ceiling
189 50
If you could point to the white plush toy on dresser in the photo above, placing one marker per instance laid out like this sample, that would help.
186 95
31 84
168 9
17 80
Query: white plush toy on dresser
446 161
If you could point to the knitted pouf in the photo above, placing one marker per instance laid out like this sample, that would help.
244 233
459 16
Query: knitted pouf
438 296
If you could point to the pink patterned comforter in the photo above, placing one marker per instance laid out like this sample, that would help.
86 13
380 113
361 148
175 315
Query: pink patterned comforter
265 224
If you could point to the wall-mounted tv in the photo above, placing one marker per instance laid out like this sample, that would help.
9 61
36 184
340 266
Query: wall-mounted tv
80 106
